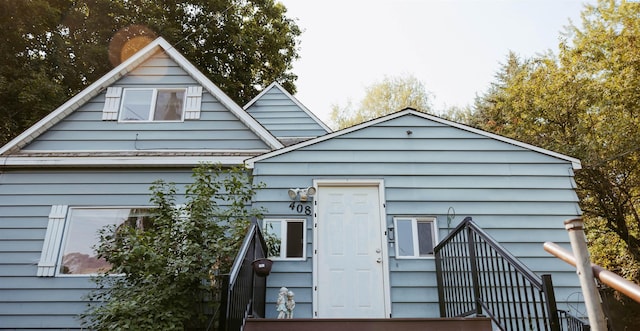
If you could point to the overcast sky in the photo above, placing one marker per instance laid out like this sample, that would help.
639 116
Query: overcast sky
454 47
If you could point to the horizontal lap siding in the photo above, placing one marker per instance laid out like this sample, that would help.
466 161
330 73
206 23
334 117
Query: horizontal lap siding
283 117
520 197
84 129
294 275
26 196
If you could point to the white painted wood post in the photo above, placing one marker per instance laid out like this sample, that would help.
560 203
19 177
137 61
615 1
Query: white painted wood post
585 274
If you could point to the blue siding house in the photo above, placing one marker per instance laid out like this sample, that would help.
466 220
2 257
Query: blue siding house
358 211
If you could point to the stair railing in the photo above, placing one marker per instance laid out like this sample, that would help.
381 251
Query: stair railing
477 276
244 292
605 276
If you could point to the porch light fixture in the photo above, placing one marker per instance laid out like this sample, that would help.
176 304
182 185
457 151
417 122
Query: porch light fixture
302 193
293 193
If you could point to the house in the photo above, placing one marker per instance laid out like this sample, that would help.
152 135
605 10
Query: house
408 175
358 211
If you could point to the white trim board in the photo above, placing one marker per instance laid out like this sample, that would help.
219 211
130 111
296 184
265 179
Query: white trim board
409 111
119 161
288 95
379 184
158 45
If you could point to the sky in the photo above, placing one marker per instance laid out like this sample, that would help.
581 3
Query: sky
453 47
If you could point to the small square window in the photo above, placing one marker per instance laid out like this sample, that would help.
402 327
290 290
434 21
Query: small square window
415 236
152 105
78 256
290 234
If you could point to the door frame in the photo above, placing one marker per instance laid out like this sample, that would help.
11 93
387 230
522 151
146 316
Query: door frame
379 183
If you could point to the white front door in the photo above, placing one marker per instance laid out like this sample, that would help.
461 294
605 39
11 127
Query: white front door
349 270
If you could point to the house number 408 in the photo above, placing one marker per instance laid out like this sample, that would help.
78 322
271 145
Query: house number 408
300 208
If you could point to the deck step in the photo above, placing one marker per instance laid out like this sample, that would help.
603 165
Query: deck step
390 324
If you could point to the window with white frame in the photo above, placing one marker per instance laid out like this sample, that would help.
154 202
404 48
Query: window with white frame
151 104
415 236
73 232
290 238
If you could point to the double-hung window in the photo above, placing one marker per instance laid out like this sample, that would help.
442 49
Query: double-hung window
152 104
290 238
415 236
72 234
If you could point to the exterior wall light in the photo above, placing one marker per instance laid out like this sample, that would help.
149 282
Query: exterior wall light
302 193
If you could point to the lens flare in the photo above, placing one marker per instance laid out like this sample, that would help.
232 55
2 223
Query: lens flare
127 41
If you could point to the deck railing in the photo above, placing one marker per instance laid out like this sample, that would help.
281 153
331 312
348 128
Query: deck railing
245 291
477 276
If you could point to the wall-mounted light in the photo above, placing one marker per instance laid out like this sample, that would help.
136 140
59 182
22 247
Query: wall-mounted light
302 193
293 193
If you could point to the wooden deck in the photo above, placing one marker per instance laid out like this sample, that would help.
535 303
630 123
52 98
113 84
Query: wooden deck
391 324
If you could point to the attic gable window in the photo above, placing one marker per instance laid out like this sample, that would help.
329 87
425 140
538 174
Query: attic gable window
152 104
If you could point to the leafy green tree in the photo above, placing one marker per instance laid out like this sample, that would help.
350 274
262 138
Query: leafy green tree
52 49
166 275
583 102
387 96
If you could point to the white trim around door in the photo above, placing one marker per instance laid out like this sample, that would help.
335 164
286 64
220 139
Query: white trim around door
350 250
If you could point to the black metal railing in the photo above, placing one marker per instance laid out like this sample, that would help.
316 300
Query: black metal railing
477 276
243 291
569 322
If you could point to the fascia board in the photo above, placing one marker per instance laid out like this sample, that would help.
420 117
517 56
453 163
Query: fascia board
83 97
305 109
251 161
257 97
125 67
575 163
242 115
292 98
132 161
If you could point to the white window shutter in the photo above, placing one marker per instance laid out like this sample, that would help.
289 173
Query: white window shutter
194 102
52 240
111 104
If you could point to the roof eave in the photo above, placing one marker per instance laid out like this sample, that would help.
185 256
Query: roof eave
575 163
159 44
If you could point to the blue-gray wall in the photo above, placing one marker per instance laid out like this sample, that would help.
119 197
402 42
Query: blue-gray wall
283 117
26 197
84 129
27 194
519 196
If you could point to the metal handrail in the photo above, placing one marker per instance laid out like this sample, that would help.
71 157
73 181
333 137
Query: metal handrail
476 275
607 277
244 292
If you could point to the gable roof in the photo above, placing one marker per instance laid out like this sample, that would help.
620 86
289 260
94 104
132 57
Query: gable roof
158 45
276 85
409 111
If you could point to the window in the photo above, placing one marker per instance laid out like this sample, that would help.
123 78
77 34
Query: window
152 105
149 104
81 233
415 236
291 234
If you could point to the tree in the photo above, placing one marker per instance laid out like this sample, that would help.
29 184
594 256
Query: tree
51 50
387 96
165 274
583 102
